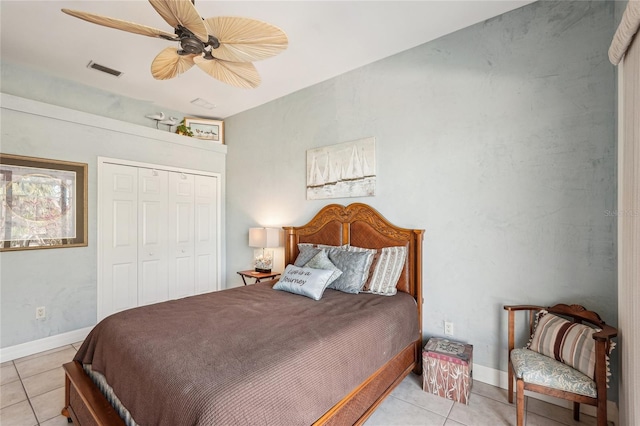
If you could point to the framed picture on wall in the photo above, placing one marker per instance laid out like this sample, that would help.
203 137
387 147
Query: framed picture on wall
343 170
43 203
202 128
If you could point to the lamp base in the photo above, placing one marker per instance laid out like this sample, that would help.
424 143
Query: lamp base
263 270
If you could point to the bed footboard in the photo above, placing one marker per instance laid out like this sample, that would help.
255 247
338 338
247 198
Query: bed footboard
356 407
84 403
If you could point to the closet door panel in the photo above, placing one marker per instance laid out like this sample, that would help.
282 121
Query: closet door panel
181 235
158 236
118 230
206 219
153 283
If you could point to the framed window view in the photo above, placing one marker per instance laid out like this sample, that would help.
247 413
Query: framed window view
202 128
43 203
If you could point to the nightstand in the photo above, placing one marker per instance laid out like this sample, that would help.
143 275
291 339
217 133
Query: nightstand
257 275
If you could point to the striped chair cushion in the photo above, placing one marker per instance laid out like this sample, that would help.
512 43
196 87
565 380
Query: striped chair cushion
567 342
386 271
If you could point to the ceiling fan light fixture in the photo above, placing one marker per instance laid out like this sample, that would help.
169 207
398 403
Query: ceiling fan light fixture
104 69
237 43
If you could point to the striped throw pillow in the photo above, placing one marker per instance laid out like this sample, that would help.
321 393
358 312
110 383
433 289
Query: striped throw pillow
565 341
387 271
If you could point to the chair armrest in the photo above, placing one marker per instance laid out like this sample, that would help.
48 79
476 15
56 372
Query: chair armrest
606 333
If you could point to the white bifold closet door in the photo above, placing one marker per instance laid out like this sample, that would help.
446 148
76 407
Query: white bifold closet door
119 238
158 236
153 244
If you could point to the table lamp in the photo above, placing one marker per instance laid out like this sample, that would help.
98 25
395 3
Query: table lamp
263 239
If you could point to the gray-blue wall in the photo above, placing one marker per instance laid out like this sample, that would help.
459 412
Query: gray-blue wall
498 140
64 280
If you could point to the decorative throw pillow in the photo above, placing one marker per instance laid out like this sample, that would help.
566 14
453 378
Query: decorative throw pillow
353 266
321 261
565 341
372 261
308 250
386 272
304 281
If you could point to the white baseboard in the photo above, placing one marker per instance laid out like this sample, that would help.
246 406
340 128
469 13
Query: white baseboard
500 379
29 348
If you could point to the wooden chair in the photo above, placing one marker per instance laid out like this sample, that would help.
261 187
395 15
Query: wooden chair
540 373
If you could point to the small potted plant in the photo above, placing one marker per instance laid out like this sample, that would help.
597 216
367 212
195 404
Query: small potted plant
182 129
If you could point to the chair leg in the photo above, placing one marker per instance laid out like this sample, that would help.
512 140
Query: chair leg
602 413
510 386
576 411
519 402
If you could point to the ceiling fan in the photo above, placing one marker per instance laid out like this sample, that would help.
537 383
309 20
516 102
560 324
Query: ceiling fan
223 47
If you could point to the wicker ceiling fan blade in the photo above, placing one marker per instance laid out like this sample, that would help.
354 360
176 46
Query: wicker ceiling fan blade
239 74
169 64
244 39
119 24
184 13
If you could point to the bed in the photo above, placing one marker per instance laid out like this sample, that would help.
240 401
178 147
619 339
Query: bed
224 358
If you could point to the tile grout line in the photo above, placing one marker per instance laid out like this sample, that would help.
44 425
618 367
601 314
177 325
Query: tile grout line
20 378
415 405
26 395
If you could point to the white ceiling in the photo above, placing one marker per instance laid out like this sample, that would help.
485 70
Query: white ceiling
326 38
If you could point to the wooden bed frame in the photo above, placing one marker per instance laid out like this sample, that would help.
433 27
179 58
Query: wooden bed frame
358 225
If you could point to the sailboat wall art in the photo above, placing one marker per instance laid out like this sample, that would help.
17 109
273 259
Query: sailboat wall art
343 170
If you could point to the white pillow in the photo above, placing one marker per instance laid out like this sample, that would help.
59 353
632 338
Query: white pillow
304 281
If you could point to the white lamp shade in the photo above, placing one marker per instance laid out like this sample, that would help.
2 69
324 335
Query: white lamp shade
264 237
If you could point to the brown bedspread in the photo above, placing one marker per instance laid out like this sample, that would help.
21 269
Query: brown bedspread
247 356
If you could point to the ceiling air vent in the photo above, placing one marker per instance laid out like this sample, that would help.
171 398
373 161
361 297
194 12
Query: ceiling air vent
104 69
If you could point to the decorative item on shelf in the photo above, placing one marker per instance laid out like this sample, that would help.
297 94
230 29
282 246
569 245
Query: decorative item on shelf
207 129
171 121
157 117
183 129
263 239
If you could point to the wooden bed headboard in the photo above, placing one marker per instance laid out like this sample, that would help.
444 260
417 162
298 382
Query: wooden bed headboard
362 226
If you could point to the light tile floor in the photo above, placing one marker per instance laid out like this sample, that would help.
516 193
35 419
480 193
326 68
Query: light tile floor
32 393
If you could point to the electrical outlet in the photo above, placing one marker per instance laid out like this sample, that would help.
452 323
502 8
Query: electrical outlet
448 328
40 312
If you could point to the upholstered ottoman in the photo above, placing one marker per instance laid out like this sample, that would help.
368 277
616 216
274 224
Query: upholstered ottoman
447 369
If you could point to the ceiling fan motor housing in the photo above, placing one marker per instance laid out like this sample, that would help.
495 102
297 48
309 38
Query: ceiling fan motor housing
191 45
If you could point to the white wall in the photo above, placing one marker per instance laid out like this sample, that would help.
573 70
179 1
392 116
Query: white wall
498 140
64 280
